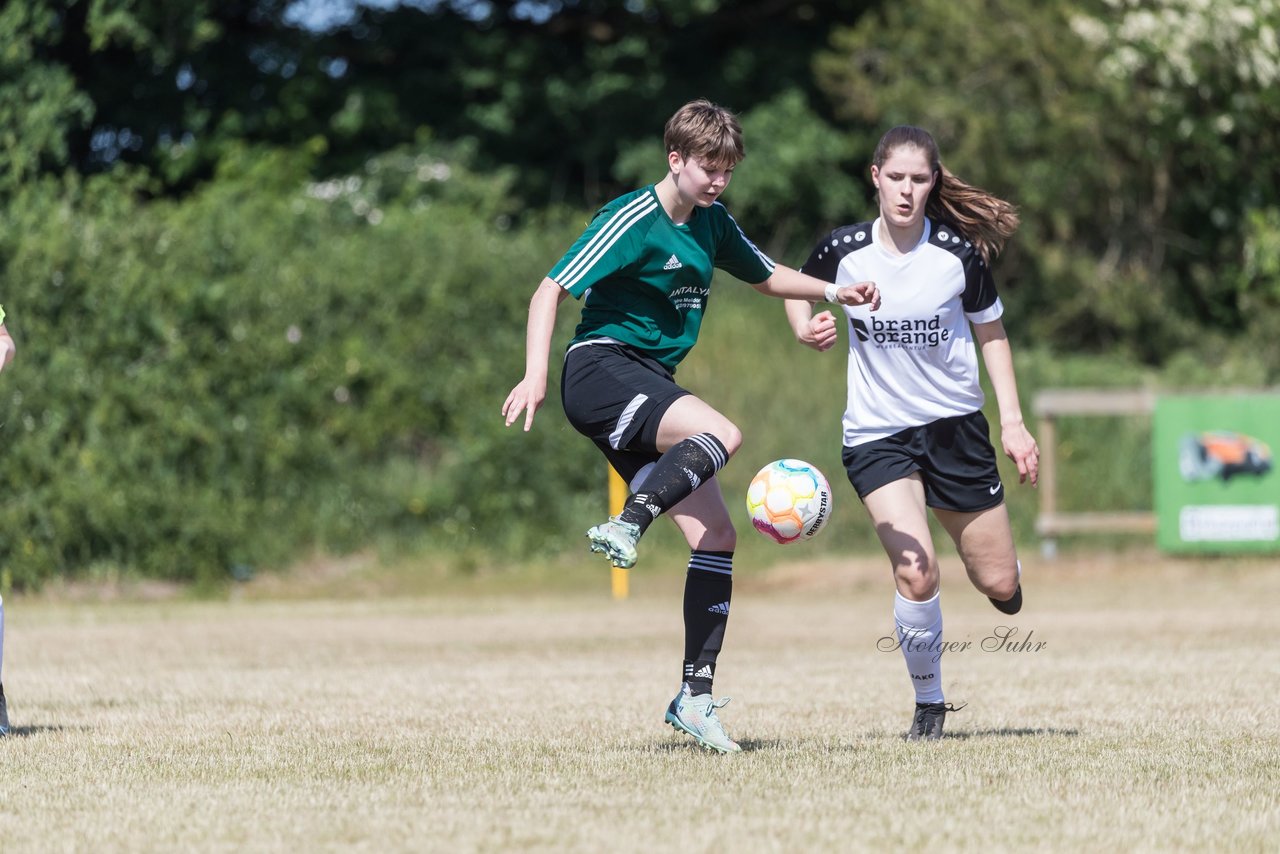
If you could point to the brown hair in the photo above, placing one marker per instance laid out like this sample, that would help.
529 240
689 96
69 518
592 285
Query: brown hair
705 131
980 216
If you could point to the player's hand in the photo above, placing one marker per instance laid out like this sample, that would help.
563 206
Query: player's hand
1021 447
859 293
526 397
820 332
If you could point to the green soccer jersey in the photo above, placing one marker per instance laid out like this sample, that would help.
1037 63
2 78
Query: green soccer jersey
646 279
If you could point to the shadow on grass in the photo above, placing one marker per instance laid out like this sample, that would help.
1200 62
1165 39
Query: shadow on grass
27 731
1008 732
748 745
1005 733
751 745
686 745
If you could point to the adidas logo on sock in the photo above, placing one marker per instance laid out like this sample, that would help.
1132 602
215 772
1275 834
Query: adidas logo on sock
673 263
704 673
722 608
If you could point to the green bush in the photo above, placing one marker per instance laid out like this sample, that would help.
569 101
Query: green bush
223 381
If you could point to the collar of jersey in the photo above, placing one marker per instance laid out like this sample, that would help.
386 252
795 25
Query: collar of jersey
653 191
894 256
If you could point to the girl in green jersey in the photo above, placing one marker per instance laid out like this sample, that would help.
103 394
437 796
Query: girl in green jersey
643 269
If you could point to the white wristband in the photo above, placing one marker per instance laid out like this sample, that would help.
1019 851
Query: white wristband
832 290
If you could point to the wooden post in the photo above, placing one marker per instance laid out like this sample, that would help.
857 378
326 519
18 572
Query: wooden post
1048 482
619 577
1048 465
1048 405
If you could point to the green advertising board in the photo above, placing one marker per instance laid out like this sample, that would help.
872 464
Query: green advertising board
1216 484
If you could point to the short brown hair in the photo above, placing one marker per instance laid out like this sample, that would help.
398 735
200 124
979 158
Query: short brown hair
702 130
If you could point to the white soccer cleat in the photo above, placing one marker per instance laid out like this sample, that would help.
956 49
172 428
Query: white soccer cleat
616 540
696 716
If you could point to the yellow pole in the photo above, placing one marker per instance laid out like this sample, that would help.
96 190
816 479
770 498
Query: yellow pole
618 498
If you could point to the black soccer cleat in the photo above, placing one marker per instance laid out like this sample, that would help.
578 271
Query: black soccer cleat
927 723
1010 606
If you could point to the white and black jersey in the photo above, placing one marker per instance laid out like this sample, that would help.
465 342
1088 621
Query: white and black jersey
913 361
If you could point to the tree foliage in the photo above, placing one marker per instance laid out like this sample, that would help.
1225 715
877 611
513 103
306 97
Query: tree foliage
557 88
265 366
1131 134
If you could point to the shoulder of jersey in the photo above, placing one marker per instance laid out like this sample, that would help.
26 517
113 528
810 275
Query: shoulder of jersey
944 236
638 204
636 199
721 214
846 239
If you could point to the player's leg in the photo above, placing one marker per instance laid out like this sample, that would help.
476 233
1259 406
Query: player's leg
886 474
704 520
695 441
985 542
618 397
901 521
967 497
4 711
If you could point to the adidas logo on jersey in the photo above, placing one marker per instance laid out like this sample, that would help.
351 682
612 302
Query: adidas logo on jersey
722 608
673 263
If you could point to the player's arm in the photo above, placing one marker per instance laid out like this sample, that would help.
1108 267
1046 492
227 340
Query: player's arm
1018 442
812 330
6 347
792 284
531 391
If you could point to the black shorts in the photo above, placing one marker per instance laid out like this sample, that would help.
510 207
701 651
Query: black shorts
953 455
616 397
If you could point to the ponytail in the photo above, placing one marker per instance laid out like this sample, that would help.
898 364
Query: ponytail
980 216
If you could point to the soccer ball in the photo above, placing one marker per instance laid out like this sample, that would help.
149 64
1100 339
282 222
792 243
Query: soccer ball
789 500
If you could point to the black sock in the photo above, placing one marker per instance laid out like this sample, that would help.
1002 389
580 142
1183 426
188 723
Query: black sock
1010 606
676 474
707 590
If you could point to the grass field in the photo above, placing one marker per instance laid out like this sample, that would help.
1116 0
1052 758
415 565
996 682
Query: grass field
533 721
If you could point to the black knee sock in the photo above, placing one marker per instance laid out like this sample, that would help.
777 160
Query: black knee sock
675 475
707 590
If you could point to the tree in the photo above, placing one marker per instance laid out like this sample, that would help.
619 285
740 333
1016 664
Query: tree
556 90
1119 130
39 102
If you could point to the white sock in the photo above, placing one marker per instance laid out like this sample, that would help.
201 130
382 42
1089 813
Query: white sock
920 639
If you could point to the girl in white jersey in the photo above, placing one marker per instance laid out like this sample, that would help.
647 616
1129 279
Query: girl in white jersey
643 270
914 433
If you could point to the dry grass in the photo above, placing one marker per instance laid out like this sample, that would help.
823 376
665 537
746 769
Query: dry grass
534 723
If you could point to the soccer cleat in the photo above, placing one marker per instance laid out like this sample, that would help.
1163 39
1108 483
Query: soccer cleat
927 723
4 714
1010 606
696 716
617 540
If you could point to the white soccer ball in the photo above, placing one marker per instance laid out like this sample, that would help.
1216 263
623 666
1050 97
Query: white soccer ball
789 500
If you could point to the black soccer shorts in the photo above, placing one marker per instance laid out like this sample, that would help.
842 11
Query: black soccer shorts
616 397
953 455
